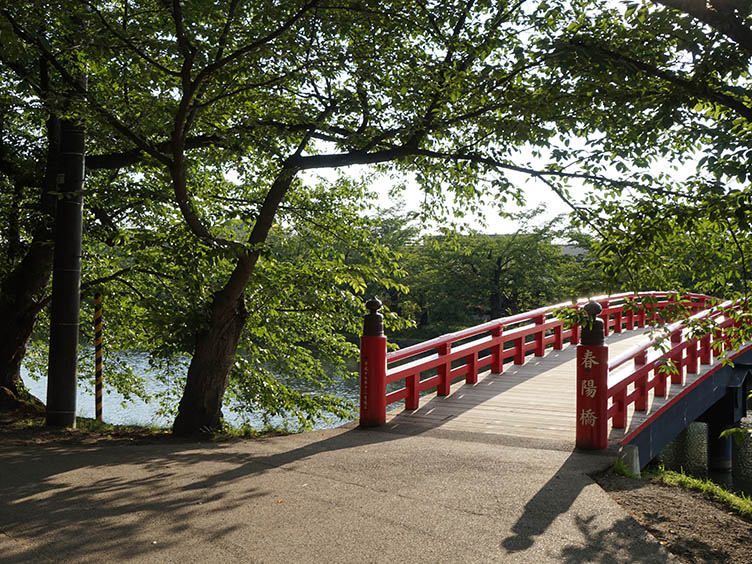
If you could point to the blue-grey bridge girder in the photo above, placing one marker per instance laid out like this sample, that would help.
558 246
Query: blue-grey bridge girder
722 393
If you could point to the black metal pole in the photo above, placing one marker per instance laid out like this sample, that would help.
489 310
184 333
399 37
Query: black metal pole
66 279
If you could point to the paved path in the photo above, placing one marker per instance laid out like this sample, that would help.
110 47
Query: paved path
344 495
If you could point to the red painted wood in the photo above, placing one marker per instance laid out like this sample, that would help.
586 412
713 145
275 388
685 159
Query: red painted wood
444 381
558 340
472 369
592 397
519 351
397 395
705 350
618 321
696 350
372 381
497 352
605 316
412 400
641 387
574 336
692 357
630 320
677 375
679 396
484 346
620 414
540 347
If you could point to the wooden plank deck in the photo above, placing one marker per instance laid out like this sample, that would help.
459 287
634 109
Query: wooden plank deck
534 400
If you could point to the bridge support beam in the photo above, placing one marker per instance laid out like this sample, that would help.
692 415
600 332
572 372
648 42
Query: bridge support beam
724 390
719 449
725 413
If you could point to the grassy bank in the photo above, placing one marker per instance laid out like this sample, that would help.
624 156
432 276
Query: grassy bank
738 502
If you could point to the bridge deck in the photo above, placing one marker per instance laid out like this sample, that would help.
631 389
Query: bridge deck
535 400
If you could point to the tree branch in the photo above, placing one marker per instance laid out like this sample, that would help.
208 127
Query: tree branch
124 159
128 43
222 43
718 14
223 61
76 86
700 91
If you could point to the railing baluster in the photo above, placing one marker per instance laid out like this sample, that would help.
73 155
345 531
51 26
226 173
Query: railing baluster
559 337
630 320
444 370
692 357
620 417
605 316
412 401
641 404
540 337
617 321
574 335
677 375
706 354
641 315
497 350
660 377
519 350
472 368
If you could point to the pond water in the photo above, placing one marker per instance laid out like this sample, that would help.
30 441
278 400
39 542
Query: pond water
687 452
116 410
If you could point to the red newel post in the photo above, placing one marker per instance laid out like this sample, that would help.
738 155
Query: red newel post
373 368
592 384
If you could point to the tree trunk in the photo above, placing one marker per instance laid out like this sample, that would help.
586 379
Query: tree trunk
497 309
23 289
19 309
209 372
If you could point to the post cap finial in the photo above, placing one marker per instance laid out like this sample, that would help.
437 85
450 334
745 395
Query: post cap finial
593 308
593 332
373 305
373 322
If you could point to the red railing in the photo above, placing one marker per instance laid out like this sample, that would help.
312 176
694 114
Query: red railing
437 363
653 367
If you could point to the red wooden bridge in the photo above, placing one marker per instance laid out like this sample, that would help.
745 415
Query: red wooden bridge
523 376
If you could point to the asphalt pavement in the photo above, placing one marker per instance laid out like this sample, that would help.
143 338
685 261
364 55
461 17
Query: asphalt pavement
343 495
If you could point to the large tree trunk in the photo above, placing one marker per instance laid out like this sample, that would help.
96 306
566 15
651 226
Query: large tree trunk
496 305
209 372
24 287
19 309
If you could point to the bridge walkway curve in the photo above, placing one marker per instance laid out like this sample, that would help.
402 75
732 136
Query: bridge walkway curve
534 400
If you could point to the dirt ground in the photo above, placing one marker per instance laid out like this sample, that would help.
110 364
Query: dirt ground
694 528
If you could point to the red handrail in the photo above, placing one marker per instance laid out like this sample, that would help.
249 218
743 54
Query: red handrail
648 361
458 354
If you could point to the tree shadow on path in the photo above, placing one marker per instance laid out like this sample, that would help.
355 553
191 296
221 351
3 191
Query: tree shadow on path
595 534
